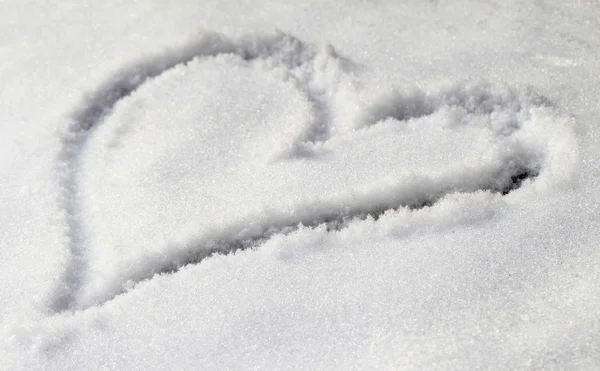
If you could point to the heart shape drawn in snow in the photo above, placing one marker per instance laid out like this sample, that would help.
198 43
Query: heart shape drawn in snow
221 144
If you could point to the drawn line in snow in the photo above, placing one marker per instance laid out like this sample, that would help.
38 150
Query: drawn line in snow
336 216
298 61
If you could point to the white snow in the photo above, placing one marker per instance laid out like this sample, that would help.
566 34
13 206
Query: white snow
299 185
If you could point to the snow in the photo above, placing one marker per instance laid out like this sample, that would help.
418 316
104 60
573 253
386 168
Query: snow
348 185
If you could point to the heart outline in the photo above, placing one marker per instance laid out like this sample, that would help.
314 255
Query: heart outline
123 83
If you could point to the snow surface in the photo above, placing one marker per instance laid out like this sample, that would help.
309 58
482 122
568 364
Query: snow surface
300 185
